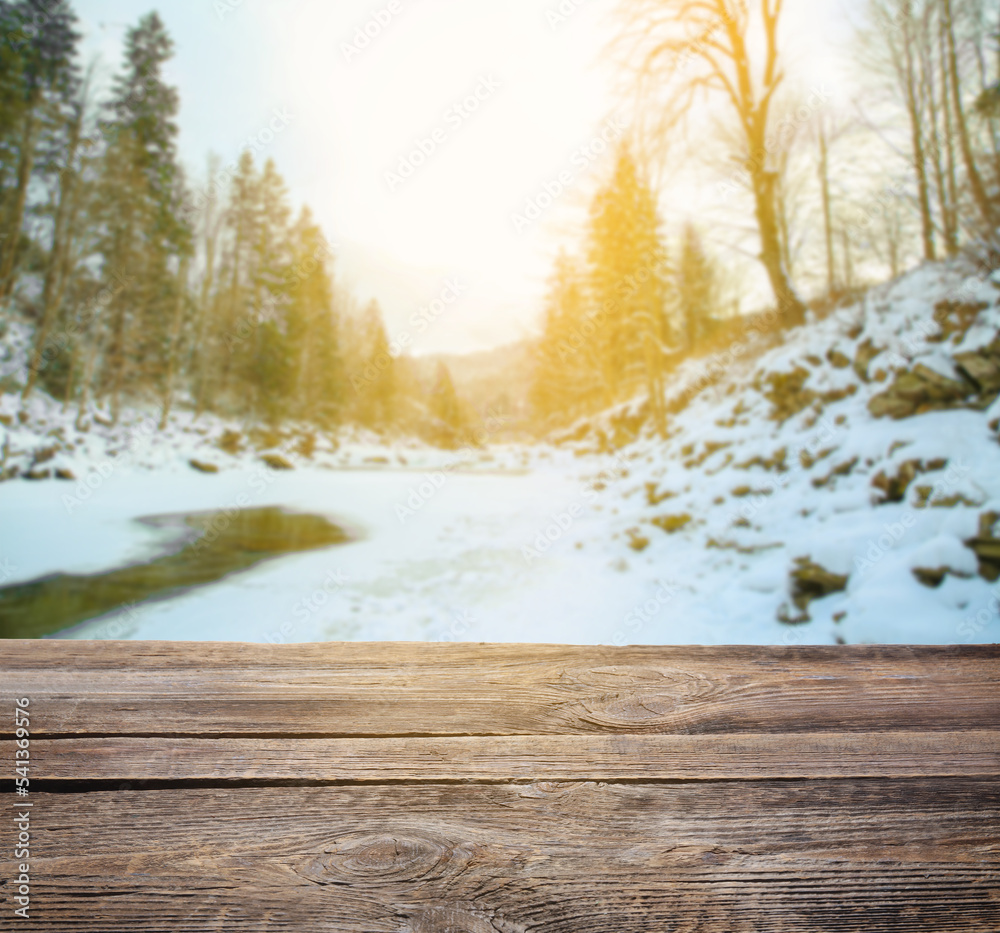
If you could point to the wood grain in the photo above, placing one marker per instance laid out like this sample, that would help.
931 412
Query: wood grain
114 688
519 758
507 789
846 855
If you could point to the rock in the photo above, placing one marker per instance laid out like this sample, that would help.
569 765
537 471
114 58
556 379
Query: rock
980 368
637 541
22 417
955 317
231 442
37 474
64 474
6 420
276 462
379 461
306 446
918 390
44 455
203 467
837 359
654 497
841 469
934 577
987 546
741 492
811 581
671 524
787 393
894 488
867 351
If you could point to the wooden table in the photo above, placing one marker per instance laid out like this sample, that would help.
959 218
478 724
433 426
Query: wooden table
472 788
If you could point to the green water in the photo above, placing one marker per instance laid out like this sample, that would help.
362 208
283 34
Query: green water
214 545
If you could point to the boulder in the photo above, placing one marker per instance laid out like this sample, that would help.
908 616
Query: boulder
867 351
987 546
894 488
811 581
837 359
787 393
276 462
918 390
203 467
671 524
231 442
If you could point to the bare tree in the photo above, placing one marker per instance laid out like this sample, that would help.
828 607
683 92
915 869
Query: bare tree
976 184
682 49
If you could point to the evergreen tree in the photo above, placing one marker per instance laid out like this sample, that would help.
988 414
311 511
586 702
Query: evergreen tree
375 383
696 284
446 410
313 325
628 284
145 235
38 74
567 357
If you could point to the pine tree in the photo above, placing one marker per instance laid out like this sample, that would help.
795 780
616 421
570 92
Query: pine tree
143 191
375 381
446 410
313 325
696 285
37 77
567 357
627 273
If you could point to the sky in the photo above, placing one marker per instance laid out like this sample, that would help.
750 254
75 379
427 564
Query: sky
427 137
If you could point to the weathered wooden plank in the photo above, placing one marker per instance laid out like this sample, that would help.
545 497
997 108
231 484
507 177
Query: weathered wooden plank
524 758
788 857
83 688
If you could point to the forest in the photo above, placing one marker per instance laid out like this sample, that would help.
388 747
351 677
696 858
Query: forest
145 286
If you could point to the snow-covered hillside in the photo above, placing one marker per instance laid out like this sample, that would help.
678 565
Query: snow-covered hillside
841 486
846 482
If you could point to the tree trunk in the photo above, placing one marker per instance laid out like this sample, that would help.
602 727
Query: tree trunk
976 185
790 306
951 177
175 332
824 178
25 166
917 136
51 288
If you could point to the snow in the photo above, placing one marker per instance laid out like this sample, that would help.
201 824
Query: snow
532 542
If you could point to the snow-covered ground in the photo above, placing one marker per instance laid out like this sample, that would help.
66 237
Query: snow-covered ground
684 541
